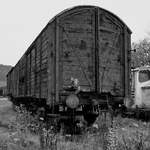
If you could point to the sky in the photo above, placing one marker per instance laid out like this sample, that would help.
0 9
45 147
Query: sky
22 20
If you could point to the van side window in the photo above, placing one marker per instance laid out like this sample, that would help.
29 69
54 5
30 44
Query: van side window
144 75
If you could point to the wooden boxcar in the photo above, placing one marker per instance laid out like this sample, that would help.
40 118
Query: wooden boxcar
82 56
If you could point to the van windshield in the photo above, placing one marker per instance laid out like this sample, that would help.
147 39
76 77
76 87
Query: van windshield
144 75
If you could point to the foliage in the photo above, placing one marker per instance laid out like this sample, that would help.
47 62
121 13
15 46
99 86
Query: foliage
142 55
27 132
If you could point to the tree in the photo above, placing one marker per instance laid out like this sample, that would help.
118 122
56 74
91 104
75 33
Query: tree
142 55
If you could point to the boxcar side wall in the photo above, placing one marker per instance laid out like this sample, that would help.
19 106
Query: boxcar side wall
35 74
29 76
36 67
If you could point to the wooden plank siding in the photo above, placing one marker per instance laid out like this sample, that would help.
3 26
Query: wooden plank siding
77 49
22 66
111 48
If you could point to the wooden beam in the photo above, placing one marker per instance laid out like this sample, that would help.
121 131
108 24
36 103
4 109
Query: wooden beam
30 69
40 66
126 79
26 59
35 74
57 60
97 81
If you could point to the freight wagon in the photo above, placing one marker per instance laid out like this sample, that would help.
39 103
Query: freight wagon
77 65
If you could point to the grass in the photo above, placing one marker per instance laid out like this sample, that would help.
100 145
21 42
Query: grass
21 131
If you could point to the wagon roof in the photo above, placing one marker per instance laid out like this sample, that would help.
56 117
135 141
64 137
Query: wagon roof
88 6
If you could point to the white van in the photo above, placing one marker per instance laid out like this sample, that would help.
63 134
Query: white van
140 87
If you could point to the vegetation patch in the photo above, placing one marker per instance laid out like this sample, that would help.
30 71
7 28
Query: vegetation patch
23 131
